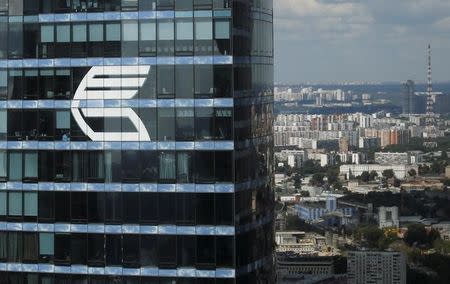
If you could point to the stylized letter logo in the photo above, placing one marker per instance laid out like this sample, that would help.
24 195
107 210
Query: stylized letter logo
114 83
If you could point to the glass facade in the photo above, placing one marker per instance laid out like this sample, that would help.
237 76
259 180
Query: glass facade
136 141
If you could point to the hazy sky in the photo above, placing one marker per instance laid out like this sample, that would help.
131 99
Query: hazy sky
360 40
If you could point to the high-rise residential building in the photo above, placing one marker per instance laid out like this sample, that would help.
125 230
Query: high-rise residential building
136 141
409 98
376 267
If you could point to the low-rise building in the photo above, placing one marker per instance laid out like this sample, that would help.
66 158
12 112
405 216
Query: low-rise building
388 217
400 171
295 266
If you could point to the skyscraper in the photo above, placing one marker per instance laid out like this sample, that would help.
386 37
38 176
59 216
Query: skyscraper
136 141
409 98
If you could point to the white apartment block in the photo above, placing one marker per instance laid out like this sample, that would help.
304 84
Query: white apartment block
383 267
400 171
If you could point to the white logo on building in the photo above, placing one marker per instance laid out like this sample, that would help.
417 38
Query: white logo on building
110 83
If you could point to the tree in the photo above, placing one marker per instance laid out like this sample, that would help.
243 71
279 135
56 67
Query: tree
304 193
371 234
389 173
424 169
365 176
317 179
397 182
412 173
373 175
416 234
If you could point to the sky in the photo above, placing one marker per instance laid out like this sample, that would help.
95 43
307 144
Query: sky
333 41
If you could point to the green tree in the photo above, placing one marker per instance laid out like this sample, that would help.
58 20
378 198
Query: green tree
317 179
412 173
365 176
416 234
424 170
373 175
389 173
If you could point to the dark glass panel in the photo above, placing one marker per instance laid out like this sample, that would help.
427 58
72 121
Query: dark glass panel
186 251
149 251
205 251
149 207
185 208
204 123
78 248
149 161
167 208
130 207
224 251
224 209
62 248
62 207
205 209
96 249
113 249
184 81
224 166
96 207
113 212
184 124
167 251
204 167
131 254
46 205
78 206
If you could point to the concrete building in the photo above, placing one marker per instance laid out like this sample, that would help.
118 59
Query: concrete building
369 142
385 158
388 217
293 266
447 172
409 98
400 171
343 144
376 267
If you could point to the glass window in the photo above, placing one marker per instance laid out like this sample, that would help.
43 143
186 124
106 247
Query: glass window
147 5
223 124
78 249
113 249
14 246
185 208
185 124
62 206
205 208
96 207
165 30
79 32
204 123
113 32
205 250
30 204
63 120
148 31
113 204
204 85
185 29
95 32
3 168
166 80
224 209
46 205
62 33
204 166
185 5
149 207
224 251
96 249
130 31
131 250
62 247
149 160
184 81
166 166
131 207
203 29
167 250
78 206
224 168
3 245
31 165
166 124
149 252
30 246
15 166
131 170
129 5
15 203
3 203
222 29
186 251
46 244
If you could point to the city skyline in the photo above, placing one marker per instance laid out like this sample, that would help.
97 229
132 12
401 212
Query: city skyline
331 41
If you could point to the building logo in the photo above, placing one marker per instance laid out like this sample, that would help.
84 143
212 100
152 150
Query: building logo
110 83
